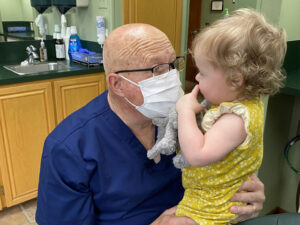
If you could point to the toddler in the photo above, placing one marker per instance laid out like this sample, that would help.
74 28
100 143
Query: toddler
239 60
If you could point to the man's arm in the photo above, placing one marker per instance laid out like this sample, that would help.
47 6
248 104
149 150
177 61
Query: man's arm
254 196
63 196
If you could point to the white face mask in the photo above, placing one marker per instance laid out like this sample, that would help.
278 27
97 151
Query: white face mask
160 94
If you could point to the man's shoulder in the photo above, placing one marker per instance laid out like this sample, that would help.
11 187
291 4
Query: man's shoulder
78 121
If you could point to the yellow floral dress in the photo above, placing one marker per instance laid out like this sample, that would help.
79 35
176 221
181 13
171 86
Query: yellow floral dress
208 189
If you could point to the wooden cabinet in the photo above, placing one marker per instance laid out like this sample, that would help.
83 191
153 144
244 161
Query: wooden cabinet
28 113
71 94
27 116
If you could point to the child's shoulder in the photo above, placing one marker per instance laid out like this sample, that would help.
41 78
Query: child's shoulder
246 103
242 108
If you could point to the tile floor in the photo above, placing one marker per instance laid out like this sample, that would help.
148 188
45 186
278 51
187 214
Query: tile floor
22 214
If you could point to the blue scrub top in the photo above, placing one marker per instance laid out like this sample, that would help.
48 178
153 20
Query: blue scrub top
95 171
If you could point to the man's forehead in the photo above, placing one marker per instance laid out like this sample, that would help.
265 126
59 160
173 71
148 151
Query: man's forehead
163 57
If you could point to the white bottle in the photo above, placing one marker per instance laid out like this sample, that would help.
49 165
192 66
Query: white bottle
54 36
56 31
43 52
66 41
63 25
56 28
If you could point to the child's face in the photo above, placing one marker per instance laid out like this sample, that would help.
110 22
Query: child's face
212 82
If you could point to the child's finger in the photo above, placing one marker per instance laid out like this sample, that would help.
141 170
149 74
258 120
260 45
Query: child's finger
195 91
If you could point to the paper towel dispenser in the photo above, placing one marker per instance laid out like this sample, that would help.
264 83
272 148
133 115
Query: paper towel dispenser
64 5
40 5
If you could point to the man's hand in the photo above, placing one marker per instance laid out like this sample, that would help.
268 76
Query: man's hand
254 196
168 218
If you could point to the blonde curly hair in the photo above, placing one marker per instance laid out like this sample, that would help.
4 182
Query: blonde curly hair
245 44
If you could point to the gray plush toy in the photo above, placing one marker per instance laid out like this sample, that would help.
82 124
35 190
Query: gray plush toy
167 137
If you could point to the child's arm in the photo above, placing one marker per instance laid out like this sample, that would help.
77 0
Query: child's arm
202 150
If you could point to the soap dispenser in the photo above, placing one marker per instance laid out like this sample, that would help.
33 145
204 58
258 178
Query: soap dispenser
226 13
43 52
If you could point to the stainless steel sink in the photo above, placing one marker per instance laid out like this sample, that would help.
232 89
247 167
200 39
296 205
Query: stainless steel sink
38 68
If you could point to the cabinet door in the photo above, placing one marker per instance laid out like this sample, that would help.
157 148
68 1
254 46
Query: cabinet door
27 117
73 93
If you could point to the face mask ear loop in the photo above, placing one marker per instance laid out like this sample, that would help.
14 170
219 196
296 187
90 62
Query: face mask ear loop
133 84
130 102
129 81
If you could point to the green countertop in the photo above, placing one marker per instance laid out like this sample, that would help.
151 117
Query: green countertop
9 77
292 83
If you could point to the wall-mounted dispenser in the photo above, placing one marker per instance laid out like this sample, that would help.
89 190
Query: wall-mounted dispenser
40 5
82 3
101 31
64 5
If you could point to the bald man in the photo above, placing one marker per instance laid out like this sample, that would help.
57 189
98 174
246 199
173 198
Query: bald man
94 168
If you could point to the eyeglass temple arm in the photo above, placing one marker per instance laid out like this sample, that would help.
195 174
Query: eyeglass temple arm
137 70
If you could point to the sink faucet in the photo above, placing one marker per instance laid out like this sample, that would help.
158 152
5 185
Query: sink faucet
32 55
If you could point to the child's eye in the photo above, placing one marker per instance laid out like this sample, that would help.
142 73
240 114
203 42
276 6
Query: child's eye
200 74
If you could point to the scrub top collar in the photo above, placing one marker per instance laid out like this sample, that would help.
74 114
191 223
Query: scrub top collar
122 131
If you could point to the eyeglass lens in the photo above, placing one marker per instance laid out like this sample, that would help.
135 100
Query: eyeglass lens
179 63
163 68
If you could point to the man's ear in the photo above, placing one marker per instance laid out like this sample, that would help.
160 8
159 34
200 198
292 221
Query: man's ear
115 82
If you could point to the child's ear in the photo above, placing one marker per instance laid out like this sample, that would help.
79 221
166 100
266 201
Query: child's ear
238 80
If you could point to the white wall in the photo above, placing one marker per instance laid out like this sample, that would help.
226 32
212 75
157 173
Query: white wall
290 18
12 10
27 10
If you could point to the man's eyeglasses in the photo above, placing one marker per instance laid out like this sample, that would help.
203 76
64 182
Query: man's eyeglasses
159 69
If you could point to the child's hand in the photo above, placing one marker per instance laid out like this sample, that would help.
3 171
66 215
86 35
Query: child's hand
189 102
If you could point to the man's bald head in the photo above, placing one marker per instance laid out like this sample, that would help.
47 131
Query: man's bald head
133 45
